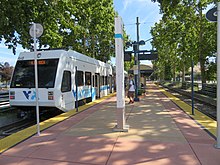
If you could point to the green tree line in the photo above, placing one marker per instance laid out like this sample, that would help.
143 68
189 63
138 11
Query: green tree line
86 26
182 35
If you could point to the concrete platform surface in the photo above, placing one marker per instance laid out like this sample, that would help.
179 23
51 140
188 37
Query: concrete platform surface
160 133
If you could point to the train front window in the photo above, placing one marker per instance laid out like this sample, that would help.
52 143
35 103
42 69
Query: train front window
47 73
23 76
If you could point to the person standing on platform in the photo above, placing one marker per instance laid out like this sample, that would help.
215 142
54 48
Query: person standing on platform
131 90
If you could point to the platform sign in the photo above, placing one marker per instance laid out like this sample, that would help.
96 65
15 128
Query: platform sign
147 56
136 72
142 55
211 15
127 55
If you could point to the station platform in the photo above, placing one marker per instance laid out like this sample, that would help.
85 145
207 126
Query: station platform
160 133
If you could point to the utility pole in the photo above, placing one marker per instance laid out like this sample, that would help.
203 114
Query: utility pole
138 62
192 87
137 75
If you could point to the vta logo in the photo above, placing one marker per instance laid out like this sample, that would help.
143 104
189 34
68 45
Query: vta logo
30 95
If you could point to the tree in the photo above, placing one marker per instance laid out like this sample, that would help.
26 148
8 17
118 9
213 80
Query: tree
186 33
6 72
86 26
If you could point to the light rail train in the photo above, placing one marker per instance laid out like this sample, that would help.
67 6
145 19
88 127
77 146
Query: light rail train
66 79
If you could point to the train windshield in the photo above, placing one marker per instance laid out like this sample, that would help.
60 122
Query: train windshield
24 76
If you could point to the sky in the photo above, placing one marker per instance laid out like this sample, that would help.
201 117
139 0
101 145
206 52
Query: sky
148 13
146 10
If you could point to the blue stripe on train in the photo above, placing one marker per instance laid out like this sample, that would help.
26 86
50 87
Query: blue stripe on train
86 92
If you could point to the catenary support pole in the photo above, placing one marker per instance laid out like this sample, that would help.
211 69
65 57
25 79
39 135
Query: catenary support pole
137 74
192 85
138 62
119 51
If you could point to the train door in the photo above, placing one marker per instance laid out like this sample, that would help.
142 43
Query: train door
97 85
67 98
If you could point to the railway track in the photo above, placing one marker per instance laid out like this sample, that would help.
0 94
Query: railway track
15 127
204 104
9 123
21 124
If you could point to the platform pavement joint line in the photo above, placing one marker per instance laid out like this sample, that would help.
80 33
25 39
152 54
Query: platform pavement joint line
208 123
20 136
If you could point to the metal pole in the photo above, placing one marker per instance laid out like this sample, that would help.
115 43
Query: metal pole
192 87
76 82
218 76
138 62
137 77
36 82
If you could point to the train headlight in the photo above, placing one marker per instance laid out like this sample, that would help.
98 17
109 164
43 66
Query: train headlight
12 95
50 95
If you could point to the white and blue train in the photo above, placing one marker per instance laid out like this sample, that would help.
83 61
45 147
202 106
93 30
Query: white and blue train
66 79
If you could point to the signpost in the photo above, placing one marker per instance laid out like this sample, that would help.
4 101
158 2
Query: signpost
213 15
36 31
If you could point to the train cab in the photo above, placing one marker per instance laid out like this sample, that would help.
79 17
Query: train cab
65 79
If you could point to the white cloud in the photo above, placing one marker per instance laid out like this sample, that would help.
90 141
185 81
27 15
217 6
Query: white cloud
10 59
139 3
5 52
146 10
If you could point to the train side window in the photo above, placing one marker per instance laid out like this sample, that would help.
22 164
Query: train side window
88 78
106 80
96 80
79 78
93 80
66 82
101 80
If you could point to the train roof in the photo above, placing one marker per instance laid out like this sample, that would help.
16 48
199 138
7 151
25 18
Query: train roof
82 57
46 54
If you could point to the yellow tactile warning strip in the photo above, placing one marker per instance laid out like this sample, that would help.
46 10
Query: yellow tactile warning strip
18 137
208 123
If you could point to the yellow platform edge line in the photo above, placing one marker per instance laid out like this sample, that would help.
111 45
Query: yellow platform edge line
208 123
20 136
